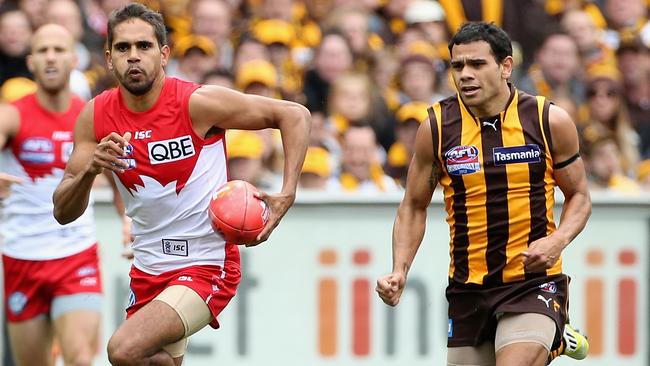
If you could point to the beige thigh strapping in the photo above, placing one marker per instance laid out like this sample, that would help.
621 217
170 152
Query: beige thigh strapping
482 355
524 328
192 310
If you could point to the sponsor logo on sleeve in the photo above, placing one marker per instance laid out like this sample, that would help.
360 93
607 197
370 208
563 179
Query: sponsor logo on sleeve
462 160
516 154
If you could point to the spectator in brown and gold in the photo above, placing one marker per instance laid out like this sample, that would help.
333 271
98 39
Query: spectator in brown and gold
556 70
627 20
594 52
634 63
606 107
521 19
409 117
279 36
353 22
418 80
213 19
15 35
316 170
602 156
361 170
353 102
257 77
248 49
176 14
195 57
429 17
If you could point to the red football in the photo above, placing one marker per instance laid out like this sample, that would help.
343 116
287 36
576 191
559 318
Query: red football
236 214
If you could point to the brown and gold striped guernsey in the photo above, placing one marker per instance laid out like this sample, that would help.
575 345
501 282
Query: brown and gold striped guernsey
497 175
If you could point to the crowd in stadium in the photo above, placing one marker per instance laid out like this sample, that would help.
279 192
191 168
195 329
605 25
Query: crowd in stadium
368 70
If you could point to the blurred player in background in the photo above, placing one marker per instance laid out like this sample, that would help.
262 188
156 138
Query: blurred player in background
163 140
498 153
51 272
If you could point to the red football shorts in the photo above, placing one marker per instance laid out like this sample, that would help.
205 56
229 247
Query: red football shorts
31 286
215 286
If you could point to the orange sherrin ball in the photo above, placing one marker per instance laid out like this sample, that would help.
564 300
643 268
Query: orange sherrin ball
236 214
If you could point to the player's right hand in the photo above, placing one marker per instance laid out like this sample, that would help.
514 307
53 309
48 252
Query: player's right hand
6 180
107 154
390 287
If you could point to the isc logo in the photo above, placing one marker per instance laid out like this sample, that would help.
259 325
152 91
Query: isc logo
166 151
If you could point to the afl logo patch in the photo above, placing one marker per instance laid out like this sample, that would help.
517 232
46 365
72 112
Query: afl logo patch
17 302
462 160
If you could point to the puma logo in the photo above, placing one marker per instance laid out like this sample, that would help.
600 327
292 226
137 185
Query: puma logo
493 124
545 300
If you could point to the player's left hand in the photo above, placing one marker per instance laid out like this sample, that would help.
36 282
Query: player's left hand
543 253
127 238
6 180
278 205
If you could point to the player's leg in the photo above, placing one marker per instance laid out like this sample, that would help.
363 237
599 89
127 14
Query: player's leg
27 303
76 306
156 334
524 339
77 333
31 341
482 355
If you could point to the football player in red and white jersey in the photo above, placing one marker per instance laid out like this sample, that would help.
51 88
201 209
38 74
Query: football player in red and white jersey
163 139
52 282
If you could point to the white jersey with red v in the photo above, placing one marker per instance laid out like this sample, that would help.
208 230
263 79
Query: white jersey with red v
173 174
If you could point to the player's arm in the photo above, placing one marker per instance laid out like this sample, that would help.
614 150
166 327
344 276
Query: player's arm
118 203
88 159
569 173
9 126
410 222
213 106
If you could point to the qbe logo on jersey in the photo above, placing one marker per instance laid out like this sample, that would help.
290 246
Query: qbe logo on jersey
166 151
462 160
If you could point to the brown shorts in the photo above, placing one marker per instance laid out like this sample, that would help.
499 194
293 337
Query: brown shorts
474 309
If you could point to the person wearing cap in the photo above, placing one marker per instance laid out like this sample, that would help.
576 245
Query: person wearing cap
409 117
606 107
279 37
316 170
16 88
195 56
429 17
246 159
257 77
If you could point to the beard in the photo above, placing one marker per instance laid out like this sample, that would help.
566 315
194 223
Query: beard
138 88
